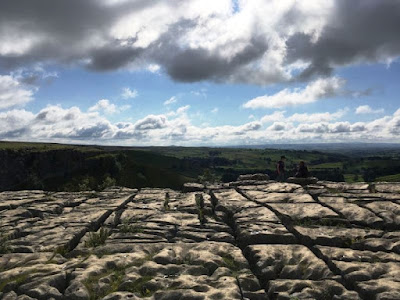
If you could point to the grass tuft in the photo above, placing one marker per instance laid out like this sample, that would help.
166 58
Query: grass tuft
115 279
231 263
166 201
4 246
96 239
140 287
17 280
199 201
126 227
200 208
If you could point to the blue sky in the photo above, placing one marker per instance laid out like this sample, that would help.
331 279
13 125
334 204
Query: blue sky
307 73
82 88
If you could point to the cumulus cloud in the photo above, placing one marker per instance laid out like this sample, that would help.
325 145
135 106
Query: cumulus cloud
181 111
395 125
275 116
13 93
13 123
55 123
278 126
316 90
192 40
366 109
280 116
317 117
344 40
127 93
107 107
151 122
338 127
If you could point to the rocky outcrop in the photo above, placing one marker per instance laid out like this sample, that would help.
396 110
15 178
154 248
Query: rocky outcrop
302 181
251 239
258 177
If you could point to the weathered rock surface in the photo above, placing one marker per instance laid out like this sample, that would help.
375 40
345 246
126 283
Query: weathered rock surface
287 262
351 211
257 177
307 289
251 239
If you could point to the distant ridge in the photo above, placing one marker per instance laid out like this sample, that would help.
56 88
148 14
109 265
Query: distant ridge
324 146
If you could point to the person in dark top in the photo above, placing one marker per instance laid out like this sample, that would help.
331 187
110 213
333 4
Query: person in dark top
280 169
302 171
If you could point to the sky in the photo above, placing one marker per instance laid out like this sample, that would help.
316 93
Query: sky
200 72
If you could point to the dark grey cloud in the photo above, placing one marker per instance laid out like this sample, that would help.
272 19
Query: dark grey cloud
66 27
357 30
31 79
190 65
78 32
112 57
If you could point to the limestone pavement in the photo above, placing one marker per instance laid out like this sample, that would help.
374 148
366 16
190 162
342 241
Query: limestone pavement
250 239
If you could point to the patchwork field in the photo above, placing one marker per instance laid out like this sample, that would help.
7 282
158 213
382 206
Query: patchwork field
239 240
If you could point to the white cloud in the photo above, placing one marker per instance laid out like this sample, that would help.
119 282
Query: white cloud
182 109
13 93
179 112
317 117
319 89
276 116
279 116
105 106
57 124
331 128
171 100
397 113
153 68
215 110
127 93
366 109
13 122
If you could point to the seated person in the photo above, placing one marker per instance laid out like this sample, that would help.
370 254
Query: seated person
302 171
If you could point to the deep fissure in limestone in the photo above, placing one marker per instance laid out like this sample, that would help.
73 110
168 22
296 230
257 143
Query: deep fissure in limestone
287 222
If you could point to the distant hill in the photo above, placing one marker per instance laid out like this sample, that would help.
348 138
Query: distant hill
349 148
58 167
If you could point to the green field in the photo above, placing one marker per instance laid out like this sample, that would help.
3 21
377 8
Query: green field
74 167
41 147
389 178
